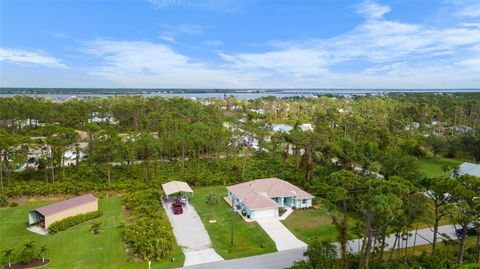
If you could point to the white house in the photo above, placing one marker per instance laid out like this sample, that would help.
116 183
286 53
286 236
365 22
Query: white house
467 168
261 198
281 128
306 127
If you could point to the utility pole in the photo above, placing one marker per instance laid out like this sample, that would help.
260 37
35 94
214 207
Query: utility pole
231 222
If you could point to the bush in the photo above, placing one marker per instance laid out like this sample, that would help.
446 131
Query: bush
148 234
66 223
3 201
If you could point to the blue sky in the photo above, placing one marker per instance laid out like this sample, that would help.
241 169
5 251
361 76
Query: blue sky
240 44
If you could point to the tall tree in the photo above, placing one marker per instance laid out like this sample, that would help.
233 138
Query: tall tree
438 190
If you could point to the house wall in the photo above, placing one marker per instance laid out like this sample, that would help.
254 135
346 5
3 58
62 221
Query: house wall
299 203
81 209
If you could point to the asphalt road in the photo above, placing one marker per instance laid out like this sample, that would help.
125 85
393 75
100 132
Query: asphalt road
276 260
286 258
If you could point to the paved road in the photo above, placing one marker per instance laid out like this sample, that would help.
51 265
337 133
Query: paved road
277 260
283 238
191 236
284 259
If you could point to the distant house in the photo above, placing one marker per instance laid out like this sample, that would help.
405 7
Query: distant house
45 216
306 127
261 198
97 117
281 128
259 111
467 168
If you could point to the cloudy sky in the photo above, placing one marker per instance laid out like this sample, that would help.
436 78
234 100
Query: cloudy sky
240 43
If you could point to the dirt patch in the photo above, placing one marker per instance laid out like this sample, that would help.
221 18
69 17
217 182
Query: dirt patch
34 264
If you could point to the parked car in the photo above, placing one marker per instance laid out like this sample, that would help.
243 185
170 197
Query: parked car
470 231
177 208
182 199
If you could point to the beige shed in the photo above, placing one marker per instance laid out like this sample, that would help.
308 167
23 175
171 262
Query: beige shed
174 187
45 216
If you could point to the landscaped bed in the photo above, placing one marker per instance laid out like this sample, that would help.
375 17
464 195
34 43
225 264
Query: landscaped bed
249 238
34 264
77 247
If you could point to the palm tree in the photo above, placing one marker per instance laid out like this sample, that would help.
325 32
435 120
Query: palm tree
7 255
212 201
95 228
42 251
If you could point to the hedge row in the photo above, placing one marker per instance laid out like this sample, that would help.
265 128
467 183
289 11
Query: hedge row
148 235
66 223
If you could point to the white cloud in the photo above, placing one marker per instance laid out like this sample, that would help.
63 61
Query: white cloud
28 58
372 10
470 11
146 64
167 38
222 5
213 43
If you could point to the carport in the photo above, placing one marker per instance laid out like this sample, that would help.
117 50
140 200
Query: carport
177 187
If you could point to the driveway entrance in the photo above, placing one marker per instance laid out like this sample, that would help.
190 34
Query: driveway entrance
283 238
191 236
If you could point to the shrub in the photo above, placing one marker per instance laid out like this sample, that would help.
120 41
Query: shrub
66 223
148 234
3 201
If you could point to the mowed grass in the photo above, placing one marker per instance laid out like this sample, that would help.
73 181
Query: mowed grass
434 167
249 238
310 224
77 247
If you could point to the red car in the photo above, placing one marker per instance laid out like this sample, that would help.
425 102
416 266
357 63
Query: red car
177 208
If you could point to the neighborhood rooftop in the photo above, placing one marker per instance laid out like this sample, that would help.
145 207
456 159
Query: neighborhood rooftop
258 193
67 204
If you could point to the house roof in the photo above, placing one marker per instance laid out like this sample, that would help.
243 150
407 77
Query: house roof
470 169
176 186
258 193
67 204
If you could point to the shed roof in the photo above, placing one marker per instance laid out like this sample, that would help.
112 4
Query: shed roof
67 204
176 186
470 169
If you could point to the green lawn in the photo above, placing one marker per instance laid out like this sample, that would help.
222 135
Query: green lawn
249 238
77 247
312 223
434 167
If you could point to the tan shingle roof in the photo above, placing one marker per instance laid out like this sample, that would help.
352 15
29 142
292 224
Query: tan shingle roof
67 204
258 193
176 186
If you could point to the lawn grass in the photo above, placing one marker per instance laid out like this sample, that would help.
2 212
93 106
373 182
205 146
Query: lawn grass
442 247
434 167
310 224
77 247
249 238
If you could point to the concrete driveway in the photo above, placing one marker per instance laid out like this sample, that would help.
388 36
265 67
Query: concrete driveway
283 238
191 236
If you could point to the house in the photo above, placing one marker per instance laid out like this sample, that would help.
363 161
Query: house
281 128
467 168
306 127
45 216
97 117
261 198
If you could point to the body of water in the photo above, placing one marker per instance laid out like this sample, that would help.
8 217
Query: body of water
64 94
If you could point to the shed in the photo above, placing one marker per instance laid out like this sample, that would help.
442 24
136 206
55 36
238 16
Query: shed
174 187
467 168
45 216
